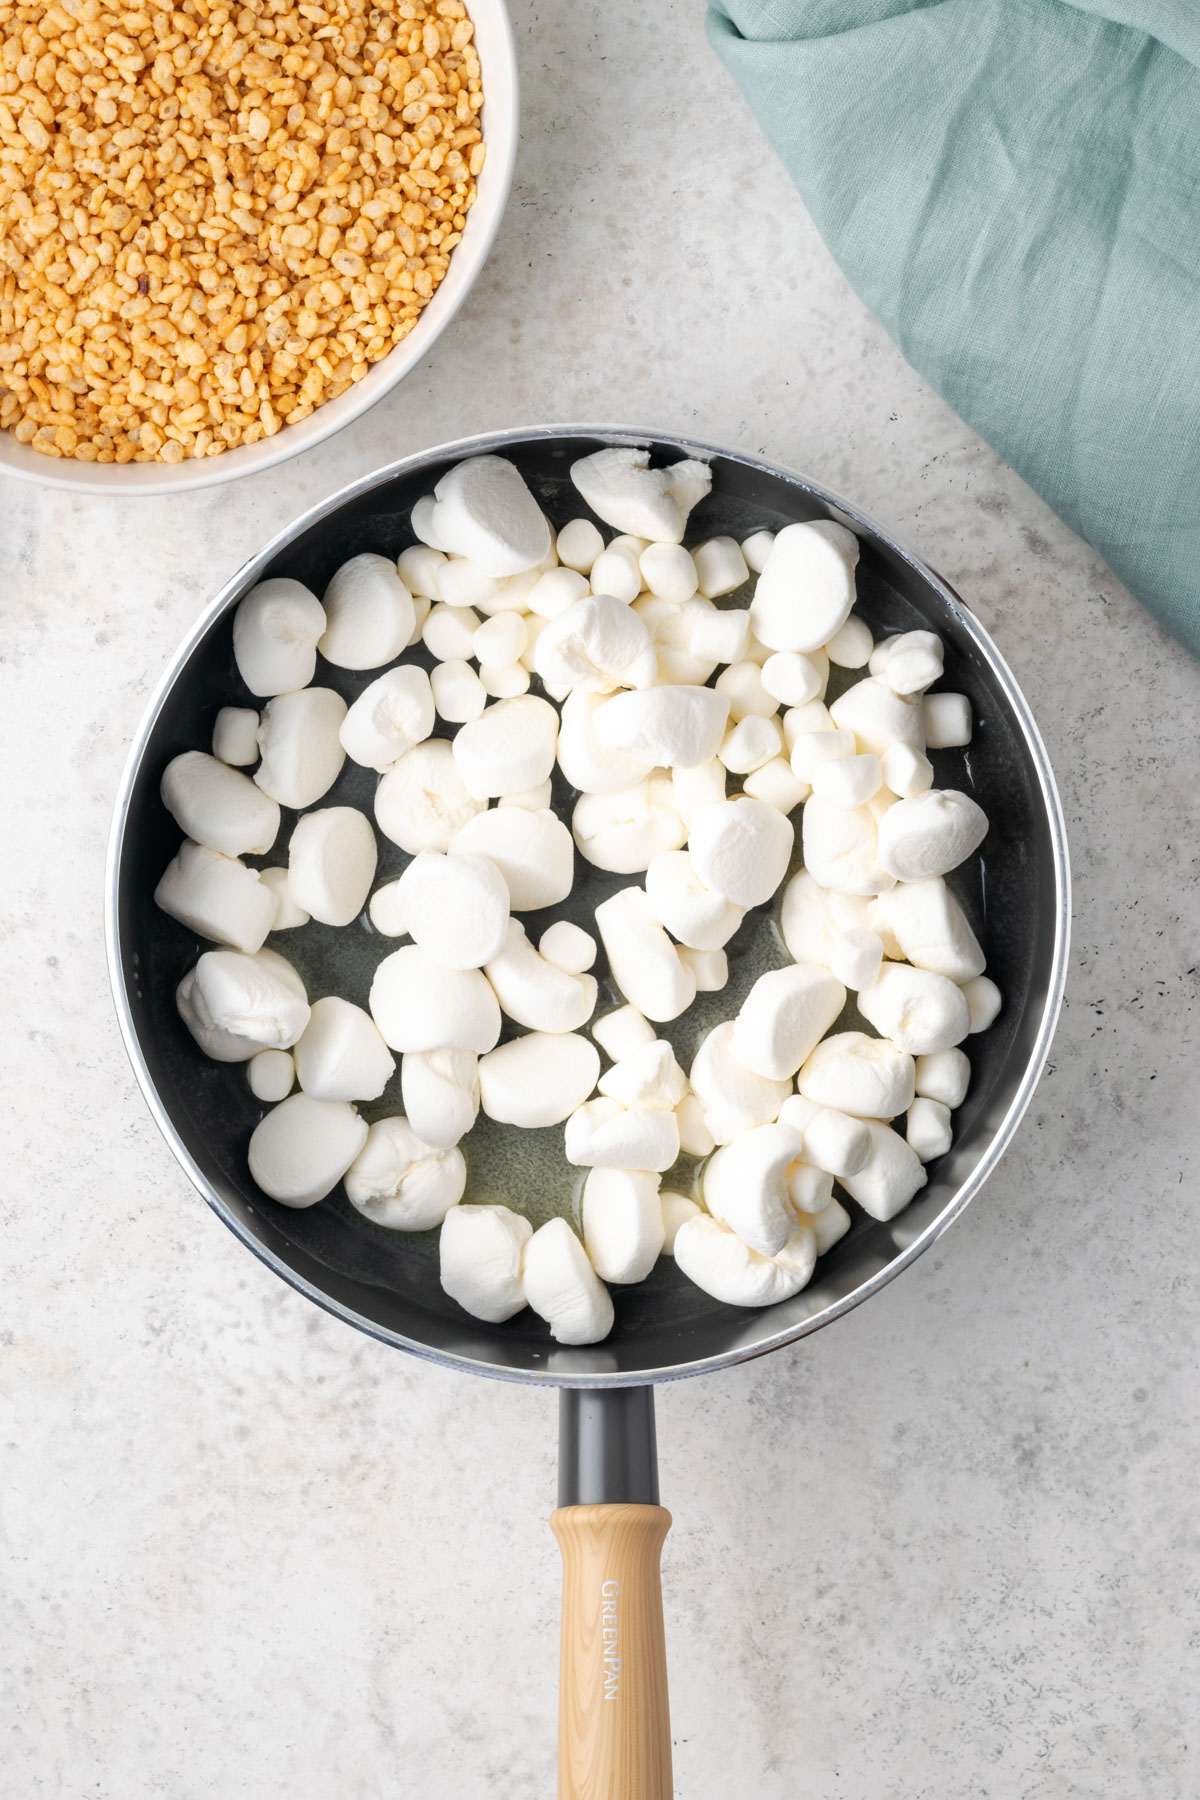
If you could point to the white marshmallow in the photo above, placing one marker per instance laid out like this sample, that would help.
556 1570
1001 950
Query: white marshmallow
340 1054
806 589
462 583
944 1075
421 520
668 571
829 1226
217 897
458 693
534 799
792 679
813 716
878 717
480 1253
919 1011
688 482
568 947
602 1134
532 850
811 750
217 806
369 614
676 727
421 611
691 912
302 753
745 1185
276 629
734 1098
709 967
422 803
331 863
538 1079
563 1288
578 545
715 634
648 1076
624 831
983 1001
449 632
836 1142
947 721
615 572
930 834
798 1112
717 1260
857 1074
509 748
455 907
535 992
235 1005
534 628
849 782
756 549
390 716
401 1183
672 629
841 849
642 960
596 644
622 490
909 662
702 786
695 1139
587 764
930 929
749 744
303 1147
483 509
386 911
783 1018
889 1178
720 567
622 1222
554 591
742 685
513 595
741 848
851 646
418 568
809 1189
505 684
622 1032
856 956
928 1129
235 736
440 1090
420 1005
271 1074
775 783
804 920
906 771
676 1209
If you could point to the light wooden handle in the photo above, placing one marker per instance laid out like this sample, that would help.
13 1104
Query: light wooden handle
614 1725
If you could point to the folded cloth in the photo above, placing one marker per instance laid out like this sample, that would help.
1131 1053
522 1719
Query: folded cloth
1013 187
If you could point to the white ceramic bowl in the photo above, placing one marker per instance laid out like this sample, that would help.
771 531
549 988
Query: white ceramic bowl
497 56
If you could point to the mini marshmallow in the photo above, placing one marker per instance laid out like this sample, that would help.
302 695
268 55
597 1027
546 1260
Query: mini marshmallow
944 1075
792 679
418 568
508 748
401 1183
369 614
690 911
534 799
480 1253
422 803
217 806
235 736
695 1139
217 897
642 960
749 744
813 716
538 1079
919 1011
947 721
829 1226
734 1098
500 640
420 1005
804 920
909 662
421 520
626 493
302 753
775 783
421 611
856 956
385 910
851 646
878 717
668 571
837 1143
440 1090
675 727
841 849
615 572
483 509
719 1263
391 715
563 1288
578 545
848 782
271 1074
505 684
458 693
702 786
648 1076
587 764
235 1005
783 1018
983 1002
709 967
930 929
811 750
720 567
676 1209
596 644
622 1222
906 771
622 1032
672 629
809 1189
449 632
928 1129
806 589
602 1134
534 991
742 685
930 834
455 907
889 1178
513 595
745 1185
624 831
857 1074
716 634
303 1147
276 629
533 631
340 1054
331 863
532 850
568 947
741 848
464 585
756 549
554 591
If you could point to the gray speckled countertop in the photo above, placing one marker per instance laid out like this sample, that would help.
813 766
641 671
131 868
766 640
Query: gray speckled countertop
943 1551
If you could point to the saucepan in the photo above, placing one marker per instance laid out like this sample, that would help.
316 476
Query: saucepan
614 1735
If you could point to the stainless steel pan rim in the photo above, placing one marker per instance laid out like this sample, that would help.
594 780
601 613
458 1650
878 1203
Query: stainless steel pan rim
497 441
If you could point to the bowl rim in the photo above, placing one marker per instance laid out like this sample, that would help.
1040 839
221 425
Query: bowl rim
495 442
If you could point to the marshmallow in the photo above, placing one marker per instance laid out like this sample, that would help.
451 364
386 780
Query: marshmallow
906 771
505 684
578 545
855 957
568 947
622 1222
449 632
889 1178
983 1002
421 610
741 848
756 549
534 799
647 1076
672 628
775 783
421 520
235 736
596 644
742 685
369 614
716 634
458 693
734 1098
745 1185
538 1079
483 509
688 482
532 850
809 1189
555 591
642 960
806 589
709 967
749 744
622 1032
623 831
947 721
813 716
668 571
276 629
804 920
418 568
235 1005
303 1147
217 897
534 991
837 1143
717 1260
930 928
841 849
480 1252
603 1134
534 628
615 571
217 806
331 863
440 1090
857 1074
878 717
462 583
386 911
563 1288
792 679
928 1129
917 1010
513 595
690 911
930 834
829 1226
455 907
587 764
695 1139
340 1054
391 715
909 662
401 1183
420 1005
701 786
676 1209
783 1018
811 750
302 753
622 490
944 1075
676 727
422 803
509 748
848 782
720 567
851 646
271 1074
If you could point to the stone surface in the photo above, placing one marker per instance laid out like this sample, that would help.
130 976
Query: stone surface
945 1548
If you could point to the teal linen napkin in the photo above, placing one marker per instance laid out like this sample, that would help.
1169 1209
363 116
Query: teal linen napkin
1013 186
